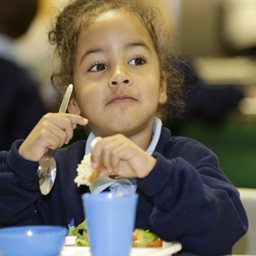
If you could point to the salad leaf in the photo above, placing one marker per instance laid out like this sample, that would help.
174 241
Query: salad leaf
80 232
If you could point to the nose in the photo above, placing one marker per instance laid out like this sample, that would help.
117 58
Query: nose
119 81
119 77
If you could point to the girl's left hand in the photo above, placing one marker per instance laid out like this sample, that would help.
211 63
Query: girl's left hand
117 155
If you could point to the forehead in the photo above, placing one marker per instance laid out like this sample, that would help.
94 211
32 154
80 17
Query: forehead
120 24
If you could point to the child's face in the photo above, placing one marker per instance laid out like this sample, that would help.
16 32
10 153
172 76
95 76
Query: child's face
116 76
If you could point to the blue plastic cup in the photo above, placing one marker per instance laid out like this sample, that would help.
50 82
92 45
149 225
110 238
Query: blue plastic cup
110 221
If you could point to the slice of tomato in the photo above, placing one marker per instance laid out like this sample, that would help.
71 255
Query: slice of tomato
156 243
135 235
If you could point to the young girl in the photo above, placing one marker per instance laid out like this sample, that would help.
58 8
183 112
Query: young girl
110 51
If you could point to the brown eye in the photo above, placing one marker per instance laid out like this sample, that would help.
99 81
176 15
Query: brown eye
137 61
98 67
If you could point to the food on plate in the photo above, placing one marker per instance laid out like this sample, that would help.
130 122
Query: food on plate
80 232
86 175
141 238
145 238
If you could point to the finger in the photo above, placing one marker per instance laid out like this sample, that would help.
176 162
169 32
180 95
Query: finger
117 157
115 163
60 126
103 148
67 122
53 136
105 156
76 119
66 125
110 158
94 141
96 152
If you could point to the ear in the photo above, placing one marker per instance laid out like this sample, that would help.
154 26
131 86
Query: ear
73 107
163 90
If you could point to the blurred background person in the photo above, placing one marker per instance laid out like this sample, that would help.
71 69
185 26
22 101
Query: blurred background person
209 103
21 104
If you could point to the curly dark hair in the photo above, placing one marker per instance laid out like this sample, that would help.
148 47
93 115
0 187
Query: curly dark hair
65 35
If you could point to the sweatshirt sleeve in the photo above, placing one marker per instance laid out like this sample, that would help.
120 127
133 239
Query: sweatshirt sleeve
194 202
19 188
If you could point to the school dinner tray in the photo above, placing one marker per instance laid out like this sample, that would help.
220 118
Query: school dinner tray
167 250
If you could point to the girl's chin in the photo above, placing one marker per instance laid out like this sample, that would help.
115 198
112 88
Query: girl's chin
114 129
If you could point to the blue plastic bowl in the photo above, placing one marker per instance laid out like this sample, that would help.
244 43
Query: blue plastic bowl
32 240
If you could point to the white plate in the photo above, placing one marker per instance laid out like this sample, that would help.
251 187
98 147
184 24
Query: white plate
167 250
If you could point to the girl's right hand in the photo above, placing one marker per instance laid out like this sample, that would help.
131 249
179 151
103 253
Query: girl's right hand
51 132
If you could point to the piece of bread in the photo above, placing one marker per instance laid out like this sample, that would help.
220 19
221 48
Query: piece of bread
86 175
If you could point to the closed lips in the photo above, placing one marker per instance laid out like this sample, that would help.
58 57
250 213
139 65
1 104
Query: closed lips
121 99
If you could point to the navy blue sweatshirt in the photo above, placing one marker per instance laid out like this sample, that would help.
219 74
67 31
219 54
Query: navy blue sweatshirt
186 197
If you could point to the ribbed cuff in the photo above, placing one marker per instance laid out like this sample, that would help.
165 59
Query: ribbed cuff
25 169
